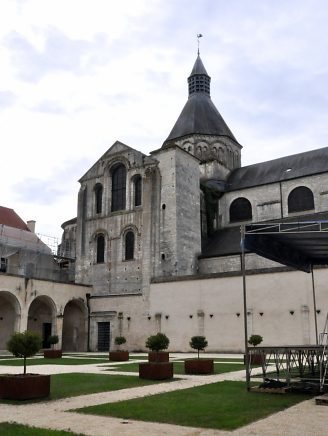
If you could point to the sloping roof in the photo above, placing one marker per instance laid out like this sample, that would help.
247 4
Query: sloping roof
223 242
199 116
284 168
9 217
198 67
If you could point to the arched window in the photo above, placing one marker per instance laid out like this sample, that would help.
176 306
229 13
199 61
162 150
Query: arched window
300 199
118 187
240 210
129 245
137 190
98 197
100 249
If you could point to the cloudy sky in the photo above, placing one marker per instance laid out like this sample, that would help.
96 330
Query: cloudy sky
77 75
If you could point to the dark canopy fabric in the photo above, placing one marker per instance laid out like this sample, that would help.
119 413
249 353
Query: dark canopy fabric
300 245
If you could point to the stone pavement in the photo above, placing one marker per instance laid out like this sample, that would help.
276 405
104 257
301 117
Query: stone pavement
302 419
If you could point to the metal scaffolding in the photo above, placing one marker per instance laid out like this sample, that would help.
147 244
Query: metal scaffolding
301 245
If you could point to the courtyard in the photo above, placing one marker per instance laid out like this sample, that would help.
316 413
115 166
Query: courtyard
108 407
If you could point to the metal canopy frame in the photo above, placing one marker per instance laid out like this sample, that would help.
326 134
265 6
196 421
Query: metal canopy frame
300 245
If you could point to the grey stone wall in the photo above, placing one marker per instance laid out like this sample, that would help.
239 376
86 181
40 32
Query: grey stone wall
179 221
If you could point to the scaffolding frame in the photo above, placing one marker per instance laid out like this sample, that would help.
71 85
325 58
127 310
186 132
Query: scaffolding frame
301 245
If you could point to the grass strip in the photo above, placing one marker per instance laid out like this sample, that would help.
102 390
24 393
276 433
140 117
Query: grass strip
12 429
44 361
178 367
74 384
225 405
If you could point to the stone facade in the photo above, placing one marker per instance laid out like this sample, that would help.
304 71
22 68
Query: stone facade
173 282
156 244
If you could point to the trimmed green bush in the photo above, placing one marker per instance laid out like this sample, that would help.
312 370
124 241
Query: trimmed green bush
52 340
255 340
24 345
198 343
119 340
157 342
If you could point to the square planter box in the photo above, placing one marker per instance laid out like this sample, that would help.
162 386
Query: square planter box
24 387
199 366
118 356
255 359
161 356
52 354
156 370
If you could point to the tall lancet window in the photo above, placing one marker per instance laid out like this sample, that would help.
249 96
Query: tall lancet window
100 248
98 197
129 245
118 187
137 190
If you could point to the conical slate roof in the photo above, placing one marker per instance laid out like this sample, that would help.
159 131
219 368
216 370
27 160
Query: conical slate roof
199 115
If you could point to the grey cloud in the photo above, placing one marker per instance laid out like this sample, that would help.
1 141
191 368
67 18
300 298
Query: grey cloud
60 54
49 106
38 191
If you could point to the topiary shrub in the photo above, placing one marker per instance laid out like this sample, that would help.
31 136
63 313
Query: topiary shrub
198 343
157 342
52 340
24 345
255 340
119 340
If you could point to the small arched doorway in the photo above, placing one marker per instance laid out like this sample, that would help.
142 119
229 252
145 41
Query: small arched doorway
74 326
10 312
42 318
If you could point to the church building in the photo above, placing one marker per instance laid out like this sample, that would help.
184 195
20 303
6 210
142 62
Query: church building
158 237
155 246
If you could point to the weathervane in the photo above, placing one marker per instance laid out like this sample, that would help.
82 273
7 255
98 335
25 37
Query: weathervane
199 35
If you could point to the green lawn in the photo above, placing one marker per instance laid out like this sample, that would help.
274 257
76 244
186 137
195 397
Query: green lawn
10 429
178 367
43 361
226 405
74 384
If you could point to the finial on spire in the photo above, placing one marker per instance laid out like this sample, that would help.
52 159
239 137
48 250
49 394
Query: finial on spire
199 35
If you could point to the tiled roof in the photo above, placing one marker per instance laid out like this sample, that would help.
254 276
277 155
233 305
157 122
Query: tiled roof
9 218
284 168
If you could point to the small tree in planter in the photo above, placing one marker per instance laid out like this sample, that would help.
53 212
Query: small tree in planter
255 340
119 355
24 386
256 358
198 343
157 343
158 367
52 353
199 366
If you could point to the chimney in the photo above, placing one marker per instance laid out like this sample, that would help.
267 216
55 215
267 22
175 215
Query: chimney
31 225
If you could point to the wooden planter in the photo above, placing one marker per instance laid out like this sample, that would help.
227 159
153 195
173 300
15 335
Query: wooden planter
199 366
160 356
256 359
24 387
52 354
118 356
156 370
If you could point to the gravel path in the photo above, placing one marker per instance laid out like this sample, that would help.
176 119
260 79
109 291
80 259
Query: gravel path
302 419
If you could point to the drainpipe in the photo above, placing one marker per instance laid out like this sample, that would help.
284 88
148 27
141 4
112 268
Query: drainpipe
88 296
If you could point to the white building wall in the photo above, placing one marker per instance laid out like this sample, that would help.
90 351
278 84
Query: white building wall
214 308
